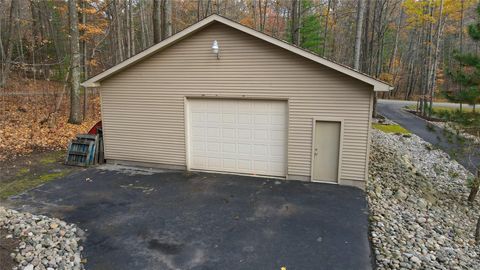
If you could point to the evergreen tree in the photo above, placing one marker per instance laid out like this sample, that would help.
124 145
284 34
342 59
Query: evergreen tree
310 34
468 75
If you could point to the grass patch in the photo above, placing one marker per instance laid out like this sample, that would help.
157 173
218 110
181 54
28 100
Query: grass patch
391 128
28 182
438 109
411 107
22 172
449 109
51 158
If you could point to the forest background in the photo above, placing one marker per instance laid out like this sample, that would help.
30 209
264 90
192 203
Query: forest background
47 47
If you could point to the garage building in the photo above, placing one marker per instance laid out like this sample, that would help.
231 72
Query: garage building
222 97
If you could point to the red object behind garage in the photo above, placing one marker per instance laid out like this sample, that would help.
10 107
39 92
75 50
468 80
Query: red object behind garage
94 129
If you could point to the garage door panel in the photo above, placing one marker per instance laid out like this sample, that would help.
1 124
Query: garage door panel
214 117
261 119
244 118
228 118
244 149
277 135
214 162
198 147
245 164
244 136
198 117
228 133
229 164
213 147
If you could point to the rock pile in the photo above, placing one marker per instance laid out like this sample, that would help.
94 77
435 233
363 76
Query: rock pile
420 218
46 243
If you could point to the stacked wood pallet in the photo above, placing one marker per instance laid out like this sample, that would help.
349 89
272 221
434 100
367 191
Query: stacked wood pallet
85 150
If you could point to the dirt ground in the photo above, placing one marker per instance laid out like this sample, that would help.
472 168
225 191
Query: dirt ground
34 115
25 172
7 246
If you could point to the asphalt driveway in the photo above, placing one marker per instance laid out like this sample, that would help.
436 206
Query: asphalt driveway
172 220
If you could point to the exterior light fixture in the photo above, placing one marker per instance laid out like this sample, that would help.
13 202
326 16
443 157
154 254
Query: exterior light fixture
215 48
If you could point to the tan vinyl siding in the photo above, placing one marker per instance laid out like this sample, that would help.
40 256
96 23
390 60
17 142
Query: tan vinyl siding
143 106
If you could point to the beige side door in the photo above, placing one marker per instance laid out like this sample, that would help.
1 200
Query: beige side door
326 151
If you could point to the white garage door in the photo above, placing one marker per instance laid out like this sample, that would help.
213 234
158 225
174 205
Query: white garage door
240 136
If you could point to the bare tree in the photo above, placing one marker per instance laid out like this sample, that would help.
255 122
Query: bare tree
131 23
325 32
395 46
263 14
157 27
84 60
358 36
7 57
119 32
295 22
145 36
166 18
75 114
433 72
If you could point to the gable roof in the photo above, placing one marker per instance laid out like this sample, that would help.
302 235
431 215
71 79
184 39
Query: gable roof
378 85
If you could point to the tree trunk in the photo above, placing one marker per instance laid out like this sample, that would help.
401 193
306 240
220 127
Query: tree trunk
84 61
118 27
264 20
157 14
128 13
371 57
428 66
75 114
6 62
262 14
424 57
217 7
477 232
358 36
144 36
395 48
276 26
253 10
380 38
35 35
199 10
366 44
166 19
132 28
435 57
207 8
474 188
295 31
325 32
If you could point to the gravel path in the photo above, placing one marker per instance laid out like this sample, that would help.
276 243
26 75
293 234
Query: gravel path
45 243
420 218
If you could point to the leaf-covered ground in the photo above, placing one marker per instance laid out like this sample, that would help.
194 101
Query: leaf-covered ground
28 121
